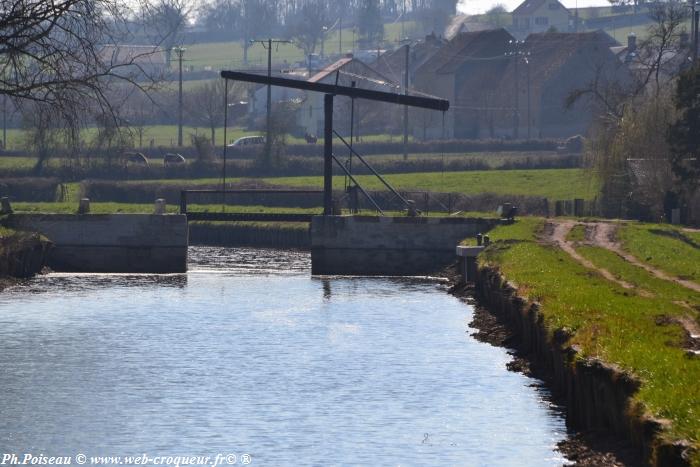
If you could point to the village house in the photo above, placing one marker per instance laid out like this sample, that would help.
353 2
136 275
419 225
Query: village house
466 68
348 71
534 16
392 64
498 88
549 68
642 60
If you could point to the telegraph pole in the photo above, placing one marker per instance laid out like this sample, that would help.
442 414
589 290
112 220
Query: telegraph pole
692 31
405 107
515 53
529 123
696 22
180 52
267 44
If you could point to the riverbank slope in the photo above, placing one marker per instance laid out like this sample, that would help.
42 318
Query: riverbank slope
613 346
22 254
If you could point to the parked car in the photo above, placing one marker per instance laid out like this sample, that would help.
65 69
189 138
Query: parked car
248 141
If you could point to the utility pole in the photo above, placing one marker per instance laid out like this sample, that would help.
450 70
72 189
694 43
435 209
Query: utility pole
180 51
515 53
692 29
529 123
267 44
696 22
403 19
405 107
340 38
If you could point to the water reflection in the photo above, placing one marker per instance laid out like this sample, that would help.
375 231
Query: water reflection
326 289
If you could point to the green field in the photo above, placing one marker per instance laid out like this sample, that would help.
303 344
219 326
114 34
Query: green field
616 325
218 55
550 183
553 183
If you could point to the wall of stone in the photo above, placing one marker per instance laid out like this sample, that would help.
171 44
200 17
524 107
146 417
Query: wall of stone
139 243
380 245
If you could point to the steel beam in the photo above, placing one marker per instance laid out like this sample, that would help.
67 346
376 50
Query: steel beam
381 96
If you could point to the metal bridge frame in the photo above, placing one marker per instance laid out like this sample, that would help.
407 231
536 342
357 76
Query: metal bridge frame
331 90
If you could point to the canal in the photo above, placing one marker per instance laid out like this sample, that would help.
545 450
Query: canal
249 354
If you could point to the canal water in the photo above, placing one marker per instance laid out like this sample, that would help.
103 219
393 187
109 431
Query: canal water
248 354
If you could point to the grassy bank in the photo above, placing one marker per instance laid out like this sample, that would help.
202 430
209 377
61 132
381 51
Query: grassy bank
664 247
636 329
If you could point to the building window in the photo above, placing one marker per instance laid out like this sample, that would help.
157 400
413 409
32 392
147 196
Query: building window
542 20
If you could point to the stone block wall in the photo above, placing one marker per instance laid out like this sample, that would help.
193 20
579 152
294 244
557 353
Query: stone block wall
138 243
380 245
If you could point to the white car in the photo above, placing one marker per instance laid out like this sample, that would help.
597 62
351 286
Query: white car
248 141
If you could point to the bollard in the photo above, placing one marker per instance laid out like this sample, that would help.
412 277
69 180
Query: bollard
336 208
5 207
411 208
84 206
479 239
505 212
159 207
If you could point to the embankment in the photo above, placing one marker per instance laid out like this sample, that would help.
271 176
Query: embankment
22 254
598 397
255 234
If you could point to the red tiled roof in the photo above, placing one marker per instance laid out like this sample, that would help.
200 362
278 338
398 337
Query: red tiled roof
330 69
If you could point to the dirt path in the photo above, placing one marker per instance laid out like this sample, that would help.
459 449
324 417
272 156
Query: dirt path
558 232
604 236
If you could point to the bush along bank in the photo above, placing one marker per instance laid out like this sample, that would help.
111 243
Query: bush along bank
603 349
22 254
255 234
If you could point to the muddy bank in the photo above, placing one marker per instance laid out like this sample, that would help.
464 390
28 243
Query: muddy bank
22 254
596 397
238 234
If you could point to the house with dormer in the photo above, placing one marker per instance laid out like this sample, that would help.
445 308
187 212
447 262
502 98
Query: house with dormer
534 16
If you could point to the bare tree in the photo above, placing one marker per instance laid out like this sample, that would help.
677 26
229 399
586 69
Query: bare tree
306 27
164 21
206 105
53 51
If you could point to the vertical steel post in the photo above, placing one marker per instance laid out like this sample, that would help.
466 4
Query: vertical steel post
268 143
405 107
327 154
696 21
223 183
529 124
180 51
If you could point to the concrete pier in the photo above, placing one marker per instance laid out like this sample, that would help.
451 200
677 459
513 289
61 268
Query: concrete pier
378 245
139 243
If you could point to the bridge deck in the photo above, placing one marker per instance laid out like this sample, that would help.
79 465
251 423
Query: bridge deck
248 216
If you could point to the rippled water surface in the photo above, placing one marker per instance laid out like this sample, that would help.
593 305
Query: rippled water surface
247 353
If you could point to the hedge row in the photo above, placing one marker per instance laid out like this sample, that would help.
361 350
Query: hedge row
30 189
